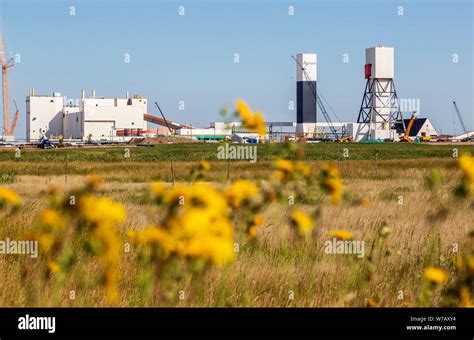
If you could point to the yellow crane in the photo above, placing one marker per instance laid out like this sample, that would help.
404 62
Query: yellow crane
406 136
344 139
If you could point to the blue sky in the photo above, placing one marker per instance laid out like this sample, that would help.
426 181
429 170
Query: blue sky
190 58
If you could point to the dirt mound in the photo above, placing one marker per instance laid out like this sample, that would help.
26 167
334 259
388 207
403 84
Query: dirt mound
160 140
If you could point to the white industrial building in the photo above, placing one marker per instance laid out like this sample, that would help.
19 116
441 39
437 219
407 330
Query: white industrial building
94 118
218 131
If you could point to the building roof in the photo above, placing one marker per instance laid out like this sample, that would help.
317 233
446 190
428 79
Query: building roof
415 129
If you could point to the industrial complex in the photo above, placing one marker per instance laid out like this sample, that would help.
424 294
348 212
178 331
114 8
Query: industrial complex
92 118
97 119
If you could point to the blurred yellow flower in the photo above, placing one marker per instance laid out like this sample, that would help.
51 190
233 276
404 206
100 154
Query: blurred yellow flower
341 234
284 165
110 241
465 297
331 182
201 233
158 189
111 285
253 121
470 264
436 275
52 219
203 165
101 210
303 222
385 231
200 228
466 164
302 169
372 303
45 240
8 196
53 267
240 191
93 182
155 235
257 221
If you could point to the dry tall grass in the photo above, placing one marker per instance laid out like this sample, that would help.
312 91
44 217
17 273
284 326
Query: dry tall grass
274 267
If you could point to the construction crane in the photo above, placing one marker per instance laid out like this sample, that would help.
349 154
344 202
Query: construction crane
6 64
318 100
460 117
15 118
344 139
162 115
406 136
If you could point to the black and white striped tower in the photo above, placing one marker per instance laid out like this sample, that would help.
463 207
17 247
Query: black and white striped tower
306 74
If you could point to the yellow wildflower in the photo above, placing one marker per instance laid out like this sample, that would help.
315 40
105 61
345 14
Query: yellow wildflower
206 196
470 264
303 222
465 297
200 228
45 241
107 235
302 169
200 233
331 182
284 165
52 219
341 234
257 221
53 267
253 121
240 191
466 164
156 235
93 182
436 275
101 210
158 189
111 285
385 231
203 165
252 232
372 303
8 196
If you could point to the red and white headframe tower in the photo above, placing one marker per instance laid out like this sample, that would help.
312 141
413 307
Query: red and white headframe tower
380 108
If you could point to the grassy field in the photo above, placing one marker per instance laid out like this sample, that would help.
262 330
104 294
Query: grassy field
198 151
385 186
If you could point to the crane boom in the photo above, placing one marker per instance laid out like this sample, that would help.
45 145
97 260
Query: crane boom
162 115
5 65
460 117
406 136
15 118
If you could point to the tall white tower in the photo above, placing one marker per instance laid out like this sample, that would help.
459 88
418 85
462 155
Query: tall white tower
380 108
306 75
